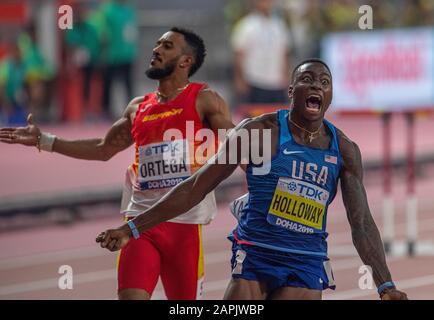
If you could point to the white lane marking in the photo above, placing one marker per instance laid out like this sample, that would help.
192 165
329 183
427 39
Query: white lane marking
52 283
335 249
107 274
220 285
95 251
76 253
110 274
49 257
401 284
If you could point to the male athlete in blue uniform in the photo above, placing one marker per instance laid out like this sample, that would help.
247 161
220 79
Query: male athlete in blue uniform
279 244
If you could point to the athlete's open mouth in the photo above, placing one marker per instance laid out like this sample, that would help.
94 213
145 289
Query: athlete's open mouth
313 103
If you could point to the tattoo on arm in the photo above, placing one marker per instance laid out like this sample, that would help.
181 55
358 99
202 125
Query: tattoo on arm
120 136
117 139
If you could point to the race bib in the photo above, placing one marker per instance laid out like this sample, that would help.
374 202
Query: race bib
163 165
298 205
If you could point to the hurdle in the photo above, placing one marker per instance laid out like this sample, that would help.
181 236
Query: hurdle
411 245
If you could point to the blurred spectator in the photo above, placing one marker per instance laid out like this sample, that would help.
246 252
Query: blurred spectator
26 80
307 26
84 41
418 12
341 15
234 11
120 40
261 45
39 75
12 87
427 9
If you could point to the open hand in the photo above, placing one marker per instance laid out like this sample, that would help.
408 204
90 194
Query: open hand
27 136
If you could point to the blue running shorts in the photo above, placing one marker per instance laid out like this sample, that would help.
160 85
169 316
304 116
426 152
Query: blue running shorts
281 269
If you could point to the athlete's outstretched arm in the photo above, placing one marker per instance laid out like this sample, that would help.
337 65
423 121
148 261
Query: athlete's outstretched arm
365 234
118 138
185 195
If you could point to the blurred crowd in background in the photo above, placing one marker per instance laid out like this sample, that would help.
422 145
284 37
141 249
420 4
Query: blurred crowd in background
251 46
101 46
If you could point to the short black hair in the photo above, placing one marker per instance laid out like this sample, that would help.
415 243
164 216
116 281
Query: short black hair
195 42
310 60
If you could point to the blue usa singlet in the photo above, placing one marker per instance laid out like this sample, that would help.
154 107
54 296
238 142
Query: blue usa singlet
287 208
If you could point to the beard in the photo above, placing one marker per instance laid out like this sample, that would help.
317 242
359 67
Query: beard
161 73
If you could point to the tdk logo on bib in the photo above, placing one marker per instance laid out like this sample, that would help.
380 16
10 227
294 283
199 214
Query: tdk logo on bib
163 165
174 148
304 189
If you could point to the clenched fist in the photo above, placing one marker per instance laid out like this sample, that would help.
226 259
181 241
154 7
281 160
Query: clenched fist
393 294
114 239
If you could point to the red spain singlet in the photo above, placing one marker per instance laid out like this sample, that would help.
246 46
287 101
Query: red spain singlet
166 153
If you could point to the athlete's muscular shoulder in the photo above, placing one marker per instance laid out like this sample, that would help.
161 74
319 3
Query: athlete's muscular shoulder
213 110
262 140
264 121
351 155
130 110
208 100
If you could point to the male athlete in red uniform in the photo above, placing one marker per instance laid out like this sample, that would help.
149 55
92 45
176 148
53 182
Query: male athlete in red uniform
172 250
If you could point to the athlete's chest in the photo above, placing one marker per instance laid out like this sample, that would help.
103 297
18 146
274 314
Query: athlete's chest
317 166
157 122
157 114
